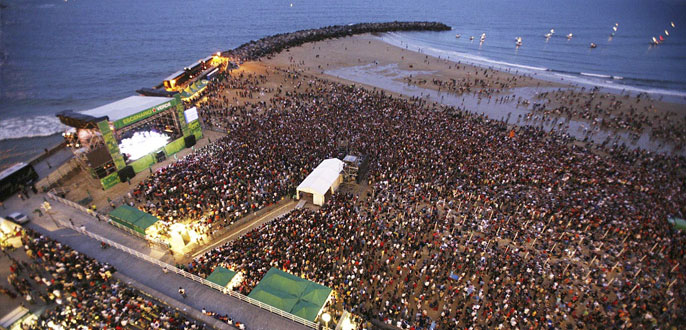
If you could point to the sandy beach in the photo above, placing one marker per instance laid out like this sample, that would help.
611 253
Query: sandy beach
366 49
642 121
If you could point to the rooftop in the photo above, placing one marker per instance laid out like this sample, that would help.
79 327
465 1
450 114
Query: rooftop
126 107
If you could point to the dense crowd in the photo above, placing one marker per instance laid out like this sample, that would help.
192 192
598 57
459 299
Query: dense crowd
616 112
466 221
238 174
80 293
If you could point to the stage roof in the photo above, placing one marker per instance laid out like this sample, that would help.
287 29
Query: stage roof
292 294
126 107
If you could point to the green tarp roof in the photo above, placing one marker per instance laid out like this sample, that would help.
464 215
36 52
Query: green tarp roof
133 218
221 276
678 223
306 310
291 293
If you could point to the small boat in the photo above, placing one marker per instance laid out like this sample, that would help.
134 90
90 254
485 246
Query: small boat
483 37
593 45
518 41
457 36
654 41
547 35
471 38
569 36
672 23
666 33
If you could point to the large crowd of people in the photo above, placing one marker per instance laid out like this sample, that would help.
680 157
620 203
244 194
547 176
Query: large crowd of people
466 221
616 112
79 292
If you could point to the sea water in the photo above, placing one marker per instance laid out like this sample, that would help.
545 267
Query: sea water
77 54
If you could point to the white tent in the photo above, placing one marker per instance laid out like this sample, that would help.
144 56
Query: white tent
325 178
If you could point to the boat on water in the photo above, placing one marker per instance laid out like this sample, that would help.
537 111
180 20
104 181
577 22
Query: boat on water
457 36
483 37
569 36
471 38
549 34
593 45
518 41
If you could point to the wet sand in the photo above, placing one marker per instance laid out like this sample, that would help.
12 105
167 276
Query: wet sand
367 60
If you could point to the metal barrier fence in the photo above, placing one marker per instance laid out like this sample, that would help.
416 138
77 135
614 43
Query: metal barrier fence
178 271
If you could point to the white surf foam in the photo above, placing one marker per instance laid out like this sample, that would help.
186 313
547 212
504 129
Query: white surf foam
16 128
580 78
595 75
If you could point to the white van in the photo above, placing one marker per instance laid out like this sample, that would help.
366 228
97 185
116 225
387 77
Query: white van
18 218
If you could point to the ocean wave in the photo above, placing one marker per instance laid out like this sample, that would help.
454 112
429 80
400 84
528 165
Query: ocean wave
581 78
396 40
596 75
17 128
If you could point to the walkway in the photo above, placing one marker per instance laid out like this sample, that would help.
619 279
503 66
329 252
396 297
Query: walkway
150 275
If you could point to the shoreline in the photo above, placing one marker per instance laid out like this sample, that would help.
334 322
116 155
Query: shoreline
368 60
283 43
573 78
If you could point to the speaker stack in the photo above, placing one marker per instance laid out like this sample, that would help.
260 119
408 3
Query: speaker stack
190 141
126 173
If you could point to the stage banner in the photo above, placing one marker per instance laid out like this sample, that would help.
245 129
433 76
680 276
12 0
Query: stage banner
111 144
126 121
143 163
175 146
179 115
110 180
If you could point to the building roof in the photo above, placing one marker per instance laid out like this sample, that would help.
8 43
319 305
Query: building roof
322 177
291 293
133 218
126 107
221 276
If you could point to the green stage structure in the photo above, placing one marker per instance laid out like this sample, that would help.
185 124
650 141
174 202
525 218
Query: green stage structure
291 294
96 133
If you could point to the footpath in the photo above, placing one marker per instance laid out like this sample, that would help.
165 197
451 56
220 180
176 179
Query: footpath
142 274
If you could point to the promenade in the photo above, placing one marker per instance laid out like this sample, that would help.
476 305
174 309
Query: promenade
138 272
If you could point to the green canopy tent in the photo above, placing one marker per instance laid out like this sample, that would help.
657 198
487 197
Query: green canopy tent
291 294
221 276
306 310
133 218
275 298
677 223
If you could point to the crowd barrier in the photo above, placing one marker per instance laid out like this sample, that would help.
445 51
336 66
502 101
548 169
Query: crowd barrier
174 269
